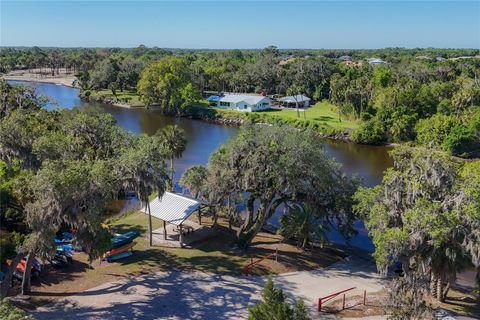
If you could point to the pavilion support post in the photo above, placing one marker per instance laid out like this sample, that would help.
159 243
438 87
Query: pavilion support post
199 213
164 230
181 236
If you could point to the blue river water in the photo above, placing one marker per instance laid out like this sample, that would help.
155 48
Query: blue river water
368 162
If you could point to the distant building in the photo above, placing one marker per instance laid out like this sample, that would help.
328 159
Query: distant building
291 101
240 102
345 58
353 63
286 60
375 61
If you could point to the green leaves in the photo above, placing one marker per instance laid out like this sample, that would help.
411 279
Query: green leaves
194 178
274 306
425 213
306 224
167 83
279 164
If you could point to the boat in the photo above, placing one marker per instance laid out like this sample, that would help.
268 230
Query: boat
123 239
120 250
119 256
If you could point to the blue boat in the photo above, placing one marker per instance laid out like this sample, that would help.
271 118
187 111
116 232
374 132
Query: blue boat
123 239
119 256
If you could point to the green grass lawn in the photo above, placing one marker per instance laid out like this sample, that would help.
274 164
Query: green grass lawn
323 116
209 256
323 112
130 96
215 254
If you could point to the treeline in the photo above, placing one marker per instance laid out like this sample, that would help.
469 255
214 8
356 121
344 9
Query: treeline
405 95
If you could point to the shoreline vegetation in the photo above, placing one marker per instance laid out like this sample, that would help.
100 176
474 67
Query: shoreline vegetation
323 117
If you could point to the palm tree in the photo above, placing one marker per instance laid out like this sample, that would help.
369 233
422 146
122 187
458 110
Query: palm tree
194 179
142 168
305 223
174 142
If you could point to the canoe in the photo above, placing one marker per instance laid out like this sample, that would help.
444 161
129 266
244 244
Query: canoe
119 256
123 239
120 250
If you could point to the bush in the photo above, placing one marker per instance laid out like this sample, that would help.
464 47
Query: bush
370 132
274 306
8 244
462 142
433 131
9 312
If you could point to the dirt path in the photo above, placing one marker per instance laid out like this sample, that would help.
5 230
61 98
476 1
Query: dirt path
197 295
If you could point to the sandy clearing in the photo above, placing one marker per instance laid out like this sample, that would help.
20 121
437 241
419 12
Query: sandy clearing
198 295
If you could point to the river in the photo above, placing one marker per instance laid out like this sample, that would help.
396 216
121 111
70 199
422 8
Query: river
368 162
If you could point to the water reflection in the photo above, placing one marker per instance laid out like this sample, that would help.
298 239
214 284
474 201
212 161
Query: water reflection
368 162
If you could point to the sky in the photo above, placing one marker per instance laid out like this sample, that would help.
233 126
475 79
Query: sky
245 24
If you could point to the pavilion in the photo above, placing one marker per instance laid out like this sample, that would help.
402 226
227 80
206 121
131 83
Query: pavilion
175 209
292 101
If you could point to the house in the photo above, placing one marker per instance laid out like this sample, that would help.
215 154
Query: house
375 61
353 63
286 60
345 58
291 101
240 102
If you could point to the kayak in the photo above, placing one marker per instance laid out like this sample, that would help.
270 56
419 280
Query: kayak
123 239
119 256
120 250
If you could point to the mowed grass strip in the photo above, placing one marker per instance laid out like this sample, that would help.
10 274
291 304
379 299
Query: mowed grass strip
126 96
322 112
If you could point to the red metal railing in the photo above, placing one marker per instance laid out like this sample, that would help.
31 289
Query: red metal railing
248 266
331 296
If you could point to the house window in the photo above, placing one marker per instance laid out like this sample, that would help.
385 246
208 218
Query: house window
225 104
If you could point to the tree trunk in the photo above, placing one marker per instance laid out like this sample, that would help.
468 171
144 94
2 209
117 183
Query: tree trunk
27 273
433 285
440 289
150 231
172 184
264 212
199 215
215 217
164 230
249 220
7 280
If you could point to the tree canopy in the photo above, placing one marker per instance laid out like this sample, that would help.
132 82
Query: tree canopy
425 215
274 166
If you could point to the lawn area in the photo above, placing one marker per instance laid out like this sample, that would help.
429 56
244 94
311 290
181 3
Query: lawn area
212 255
323 112
125 96
216 254
322 117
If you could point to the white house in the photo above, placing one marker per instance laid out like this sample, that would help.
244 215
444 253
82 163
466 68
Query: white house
291 101
375 61
240 102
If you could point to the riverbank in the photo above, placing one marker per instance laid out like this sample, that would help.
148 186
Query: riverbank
127 98
35 75
323 117
325 129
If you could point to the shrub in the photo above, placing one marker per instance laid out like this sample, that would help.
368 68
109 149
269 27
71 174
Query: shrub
9 312
274 306
370 132
433 131
462 141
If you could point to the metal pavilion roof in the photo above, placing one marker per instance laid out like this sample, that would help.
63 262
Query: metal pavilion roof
172 208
